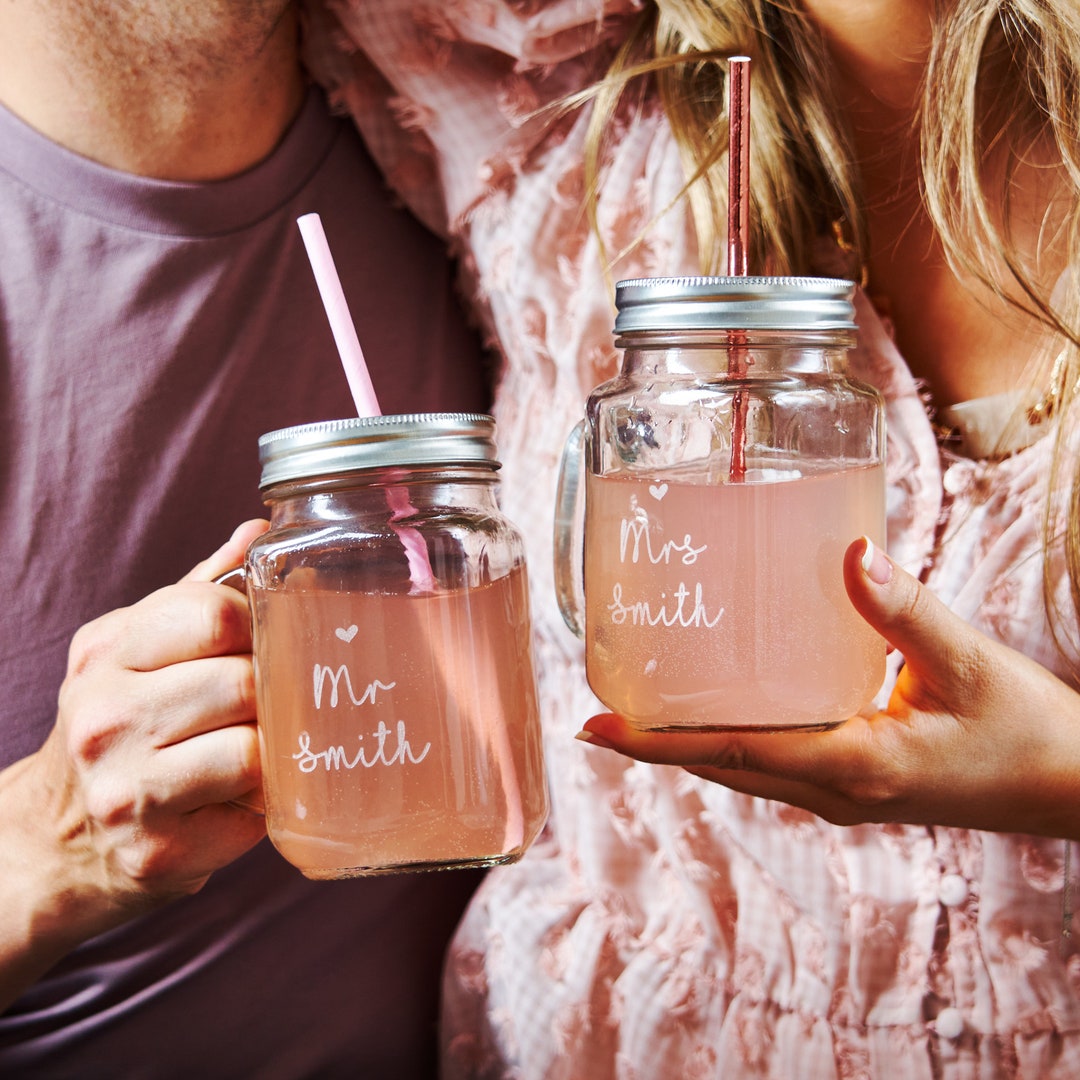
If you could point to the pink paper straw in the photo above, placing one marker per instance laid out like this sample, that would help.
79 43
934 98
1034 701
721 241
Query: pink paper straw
421 575
363 393
738 164
337 312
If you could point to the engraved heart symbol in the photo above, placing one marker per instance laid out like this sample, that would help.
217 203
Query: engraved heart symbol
347 635
658 491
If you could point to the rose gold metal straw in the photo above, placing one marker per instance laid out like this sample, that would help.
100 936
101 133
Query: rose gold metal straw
738 235
738 164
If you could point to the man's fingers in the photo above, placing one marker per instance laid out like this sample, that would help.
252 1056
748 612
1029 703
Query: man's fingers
190 699
175 624
219 766
176 860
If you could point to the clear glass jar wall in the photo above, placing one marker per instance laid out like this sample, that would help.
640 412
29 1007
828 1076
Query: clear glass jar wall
728 466
396 695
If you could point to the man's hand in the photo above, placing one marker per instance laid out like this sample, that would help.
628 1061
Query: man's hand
129 803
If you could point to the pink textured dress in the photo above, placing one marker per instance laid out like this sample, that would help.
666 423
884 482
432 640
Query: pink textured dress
664 926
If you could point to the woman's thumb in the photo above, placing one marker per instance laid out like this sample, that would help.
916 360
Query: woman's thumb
906 613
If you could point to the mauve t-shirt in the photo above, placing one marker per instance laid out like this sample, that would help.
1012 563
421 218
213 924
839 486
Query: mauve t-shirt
149 333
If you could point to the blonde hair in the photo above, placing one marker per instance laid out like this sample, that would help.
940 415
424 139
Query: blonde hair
1002 75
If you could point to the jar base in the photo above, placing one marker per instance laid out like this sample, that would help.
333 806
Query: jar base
695 728
344 873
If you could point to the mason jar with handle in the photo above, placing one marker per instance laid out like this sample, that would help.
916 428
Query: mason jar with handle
397 707
723 473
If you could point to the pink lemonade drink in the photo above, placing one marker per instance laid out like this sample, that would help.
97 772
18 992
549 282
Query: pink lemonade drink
398 731
723 606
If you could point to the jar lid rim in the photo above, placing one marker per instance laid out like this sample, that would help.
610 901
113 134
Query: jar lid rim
332 447
734 303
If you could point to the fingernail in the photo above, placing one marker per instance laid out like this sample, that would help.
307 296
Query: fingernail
876 565
593 739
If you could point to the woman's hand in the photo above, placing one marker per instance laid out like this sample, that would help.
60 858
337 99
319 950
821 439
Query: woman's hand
132 800
975 734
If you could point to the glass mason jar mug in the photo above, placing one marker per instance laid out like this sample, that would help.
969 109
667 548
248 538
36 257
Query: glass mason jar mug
727 467
396 699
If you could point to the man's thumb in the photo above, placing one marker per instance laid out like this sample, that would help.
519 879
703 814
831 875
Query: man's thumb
231 554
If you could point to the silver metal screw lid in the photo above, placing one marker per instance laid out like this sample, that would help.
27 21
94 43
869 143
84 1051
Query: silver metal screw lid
734 303
374 442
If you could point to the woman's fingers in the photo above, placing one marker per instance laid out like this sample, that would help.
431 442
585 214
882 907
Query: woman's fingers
975 734
834 773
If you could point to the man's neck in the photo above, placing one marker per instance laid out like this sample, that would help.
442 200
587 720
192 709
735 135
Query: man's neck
194 91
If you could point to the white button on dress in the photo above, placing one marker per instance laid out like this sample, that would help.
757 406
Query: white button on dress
949 1023
952 890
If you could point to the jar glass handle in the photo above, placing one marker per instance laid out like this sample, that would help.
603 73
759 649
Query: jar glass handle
569 532
236 578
